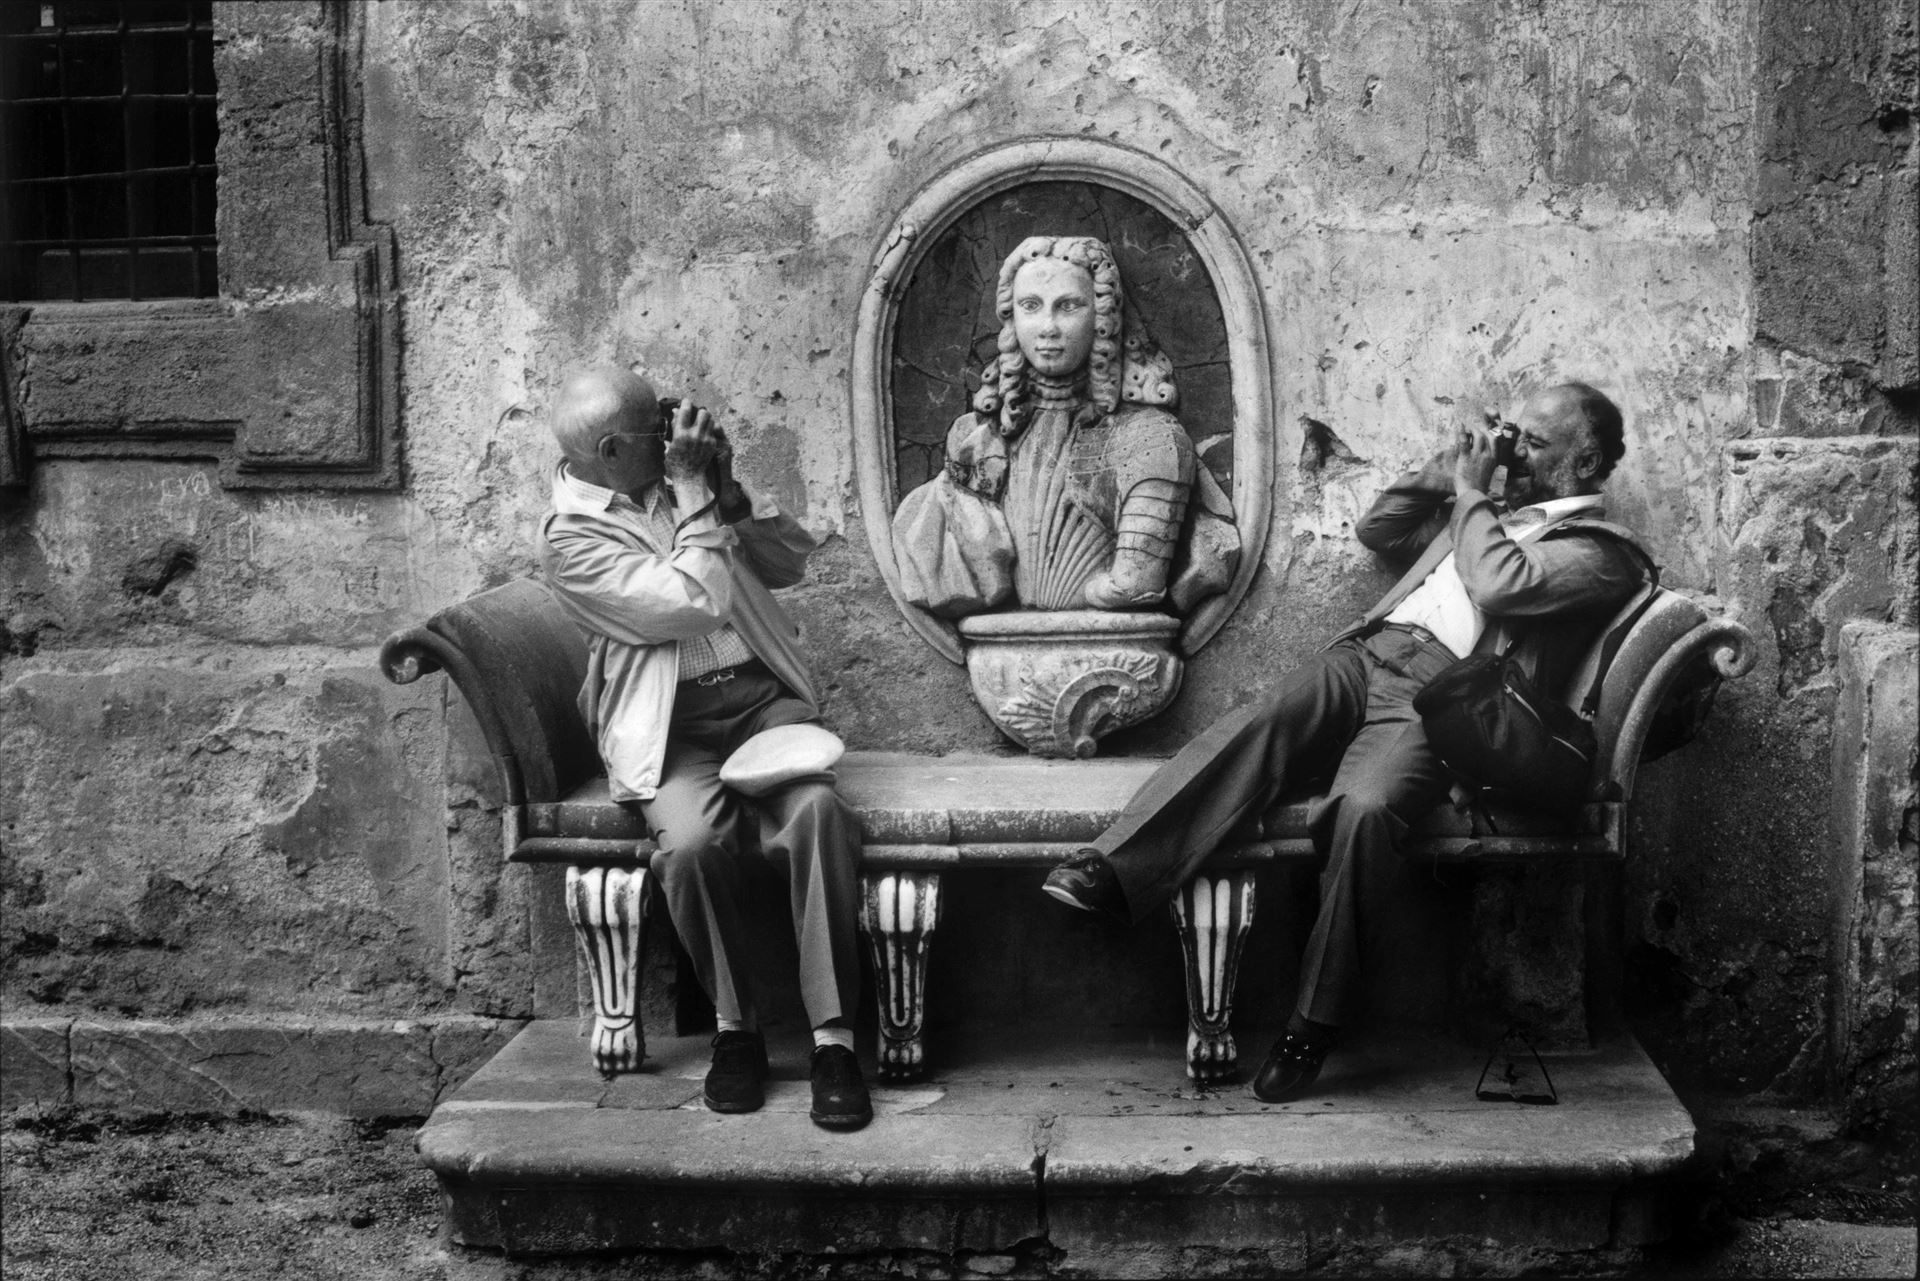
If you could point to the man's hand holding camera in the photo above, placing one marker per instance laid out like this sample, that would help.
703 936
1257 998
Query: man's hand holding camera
1479 449
699 464
694 443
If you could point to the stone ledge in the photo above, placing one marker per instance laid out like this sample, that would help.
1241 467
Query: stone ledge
35 1064
1093 1145
1028 811
352 1067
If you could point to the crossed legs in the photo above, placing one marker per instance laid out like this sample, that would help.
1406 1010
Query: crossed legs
1347 712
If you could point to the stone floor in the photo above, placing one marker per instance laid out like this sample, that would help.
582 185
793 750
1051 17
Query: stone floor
87 1196
1096 1148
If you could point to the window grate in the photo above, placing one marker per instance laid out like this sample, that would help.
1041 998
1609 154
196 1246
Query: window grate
108 125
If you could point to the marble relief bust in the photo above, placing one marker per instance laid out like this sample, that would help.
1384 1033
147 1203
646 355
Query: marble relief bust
1071 485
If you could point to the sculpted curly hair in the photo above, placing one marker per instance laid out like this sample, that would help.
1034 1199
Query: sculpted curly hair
1004 392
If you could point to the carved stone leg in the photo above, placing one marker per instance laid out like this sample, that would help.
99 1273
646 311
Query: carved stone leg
1212 914
608 908
899 911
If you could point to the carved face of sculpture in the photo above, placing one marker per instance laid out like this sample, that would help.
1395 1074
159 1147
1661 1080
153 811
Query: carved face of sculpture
1053 315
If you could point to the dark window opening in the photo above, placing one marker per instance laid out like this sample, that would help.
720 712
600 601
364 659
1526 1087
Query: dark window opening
108 120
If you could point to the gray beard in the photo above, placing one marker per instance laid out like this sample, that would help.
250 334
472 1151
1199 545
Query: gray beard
1562 482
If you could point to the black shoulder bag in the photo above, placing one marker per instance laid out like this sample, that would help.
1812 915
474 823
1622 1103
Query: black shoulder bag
1497 733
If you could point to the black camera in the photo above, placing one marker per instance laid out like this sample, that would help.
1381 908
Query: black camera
669 405
1505 437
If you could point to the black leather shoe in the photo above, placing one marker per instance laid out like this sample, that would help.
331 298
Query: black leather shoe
1088 883
840 1099
737 1080
1291 1068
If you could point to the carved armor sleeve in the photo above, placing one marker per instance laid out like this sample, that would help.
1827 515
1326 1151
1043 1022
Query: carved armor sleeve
1150 517
1152 463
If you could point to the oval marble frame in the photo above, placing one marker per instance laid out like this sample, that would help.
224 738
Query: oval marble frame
960 187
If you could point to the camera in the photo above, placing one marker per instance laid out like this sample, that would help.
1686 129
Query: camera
1505 437
669 405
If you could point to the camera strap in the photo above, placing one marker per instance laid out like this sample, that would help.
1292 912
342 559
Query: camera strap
706 507
1630 613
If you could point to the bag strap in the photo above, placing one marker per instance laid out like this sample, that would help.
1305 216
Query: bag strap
1617 636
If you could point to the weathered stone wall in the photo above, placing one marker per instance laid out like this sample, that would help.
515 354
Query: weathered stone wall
1875 871
1731 897
202 769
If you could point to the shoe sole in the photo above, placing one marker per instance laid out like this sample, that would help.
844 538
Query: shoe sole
840 1122
1066 896
715 1105
1299 1090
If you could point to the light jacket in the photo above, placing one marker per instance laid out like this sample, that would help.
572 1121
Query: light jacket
637 600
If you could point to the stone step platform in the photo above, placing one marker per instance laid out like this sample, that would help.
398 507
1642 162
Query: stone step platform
1099 1148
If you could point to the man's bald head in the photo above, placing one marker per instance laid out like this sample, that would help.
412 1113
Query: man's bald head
593 403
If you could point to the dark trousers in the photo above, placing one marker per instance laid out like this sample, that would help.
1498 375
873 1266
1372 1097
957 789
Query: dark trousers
711 841
1347 712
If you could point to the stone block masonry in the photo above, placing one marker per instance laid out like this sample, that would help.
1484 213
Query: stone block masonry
220 830
347 1067
1875 874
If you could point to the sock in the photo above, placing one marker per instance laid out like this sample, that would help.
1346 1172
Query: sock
736 1025
1317 1035
829 1034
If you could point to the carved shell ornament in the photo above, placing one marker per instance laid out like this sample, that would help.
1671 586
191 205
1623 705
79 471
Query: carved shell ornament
1114 690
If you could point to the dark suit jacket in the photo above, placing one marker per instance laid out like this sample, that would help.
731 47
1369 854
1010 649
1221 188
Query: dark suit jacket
1554 593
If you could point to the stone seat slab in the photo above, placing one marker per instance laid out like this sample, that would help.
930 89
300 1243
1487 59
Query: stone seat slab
1023 811
1096 1144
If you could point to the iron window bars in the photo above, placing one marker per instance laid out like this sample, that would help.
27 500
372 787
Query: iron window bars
108 122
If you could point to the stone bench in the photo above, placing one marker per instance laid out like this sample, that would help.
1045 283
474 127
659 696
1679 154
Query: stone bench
519 663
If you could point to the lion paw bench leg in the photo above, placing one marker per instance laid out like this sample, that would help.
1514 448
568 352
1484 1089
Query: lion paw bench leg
608 908
1212 914
899 911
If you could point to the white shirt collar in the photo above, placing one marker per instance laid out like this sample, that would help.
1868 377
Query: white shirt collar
1556 509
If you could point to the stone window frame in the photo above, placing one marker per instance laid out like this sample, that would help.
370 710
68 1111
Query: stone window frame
291 377
942 202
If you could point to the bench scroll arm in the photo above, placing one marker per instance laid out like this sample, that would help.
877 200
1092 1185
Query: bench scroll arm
419 651
1729 649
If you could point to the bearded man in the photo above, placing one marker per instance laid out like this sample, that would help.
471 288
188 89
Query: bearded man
1483 576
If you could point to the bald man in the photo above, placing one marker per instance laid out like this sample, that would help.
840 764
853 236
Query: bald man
1532 571
665 560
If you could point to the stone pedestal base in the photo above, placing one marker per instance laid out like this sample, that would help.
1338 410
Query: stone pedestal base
1055 682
